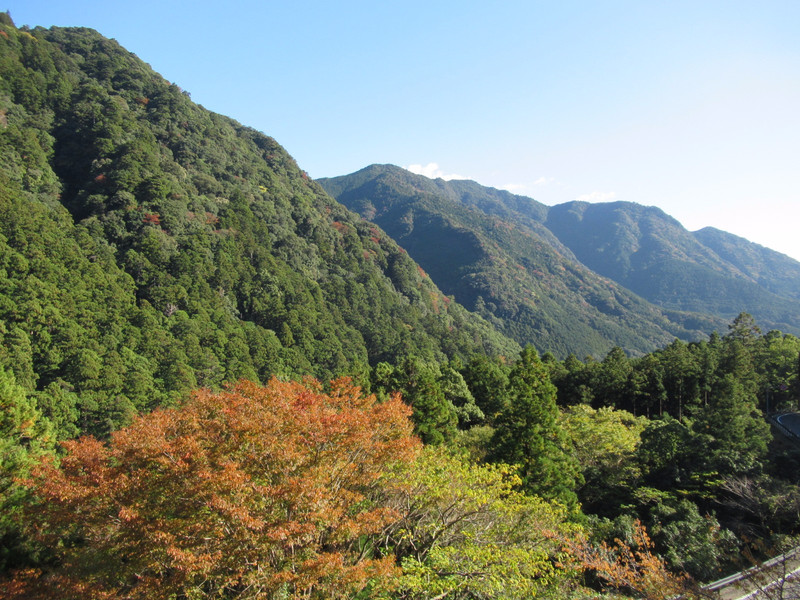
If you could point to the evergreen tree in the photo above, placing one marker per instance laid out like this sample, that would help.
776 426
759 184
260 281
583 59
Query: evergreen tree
458 394
434 415
737 432
680 380
612 379
487 379
529 435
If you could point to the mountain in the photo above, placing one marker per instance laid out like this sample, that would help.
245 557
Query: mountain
587 275
149 246
492 251
652 254
774 271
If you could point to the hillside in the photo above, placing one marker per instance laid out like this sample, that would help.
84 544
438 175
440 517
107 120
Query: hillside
772 270
150 246
579 261
710 272
491 250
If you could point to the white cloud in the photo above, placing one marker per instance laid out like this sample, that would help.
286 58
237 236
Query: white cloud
527 188
433 171
597 197
515 188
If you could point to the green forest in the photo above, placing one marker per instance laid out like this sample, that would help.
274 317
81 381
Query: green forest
506 266
576 277
216 381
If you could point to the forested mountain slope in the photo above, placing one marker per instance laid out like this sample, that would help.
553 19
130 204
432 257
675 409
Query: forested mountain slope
682 282
652 254
150 246
492 252
772 270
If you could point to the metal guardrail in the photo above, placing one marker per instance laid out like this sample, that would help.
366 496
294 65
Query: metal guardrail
747 573
776 421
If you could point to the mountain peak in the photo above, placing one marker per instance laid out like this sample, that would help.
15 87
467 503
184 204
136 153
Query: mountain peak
693 281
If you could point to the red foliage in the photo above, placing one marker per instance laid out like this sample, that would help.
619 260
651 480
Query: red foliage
633 567
243 493
340 227
152 219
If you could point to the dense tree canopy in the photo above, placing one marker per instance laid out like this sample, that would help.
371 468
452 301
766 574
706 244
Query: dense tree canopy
249 492
288 491
529 434
149 246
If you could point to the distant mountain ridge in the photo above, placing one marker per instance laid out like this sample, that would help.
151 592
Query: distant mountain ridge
653 255
776 272
492 251
149 246
580 261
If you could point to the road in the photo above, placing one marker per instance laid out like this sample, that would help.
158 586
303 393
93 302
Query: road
784 588
777 579
790 421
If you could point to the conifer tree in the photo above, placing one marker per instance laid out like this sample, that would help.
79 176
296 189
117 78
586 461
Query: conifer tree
737 432
529 435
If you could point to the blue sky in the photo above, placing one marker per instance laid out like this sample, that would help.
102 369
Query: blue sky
688 106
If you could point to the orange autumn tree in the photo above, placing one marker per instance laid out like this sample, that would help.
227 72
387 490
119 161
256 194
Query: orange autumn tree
253 492
633 567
